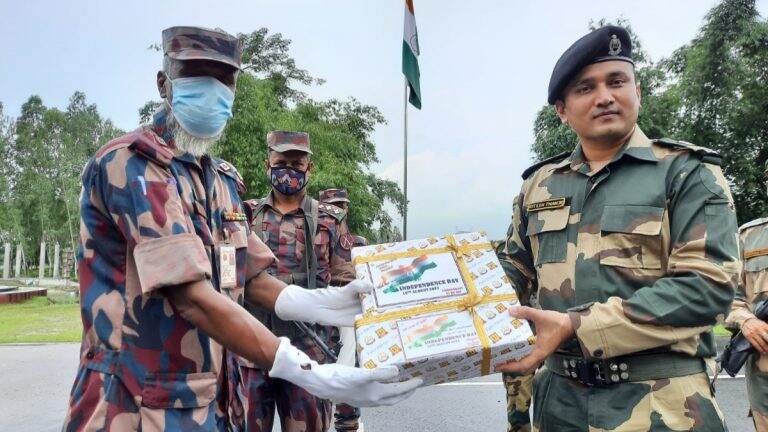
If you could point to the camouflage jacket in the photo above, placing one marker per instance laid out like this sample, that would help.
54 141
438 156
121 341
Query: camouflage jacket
153 219
284 235
642 253
753 284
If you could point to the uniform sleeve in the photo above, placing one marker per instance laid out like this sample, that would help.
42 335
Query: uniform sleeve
342 271
740 309
515 255
701 275
144 203
260 257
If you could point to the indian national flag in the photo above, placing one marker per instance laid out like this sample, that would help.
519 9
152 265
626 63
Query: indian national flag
411 54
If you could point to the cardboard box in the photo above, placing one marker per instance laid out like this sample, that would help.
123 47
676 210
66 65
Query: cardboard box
439 309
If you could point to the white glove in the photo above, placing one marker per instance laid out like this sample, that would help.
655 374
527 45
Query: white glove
332 306
353 386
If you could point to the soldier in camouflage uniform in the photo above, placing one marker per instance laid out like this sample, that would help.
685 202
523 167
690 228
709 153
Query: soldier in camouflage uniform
518 386
166 255
311 242
346 418
631 246
753 288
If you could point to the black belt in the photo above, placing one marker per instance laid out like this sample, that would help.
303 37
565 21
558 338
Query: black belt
641 367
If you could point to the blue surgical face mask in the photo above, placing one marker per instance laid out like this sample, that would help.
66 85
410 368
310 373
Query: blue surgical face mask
202 105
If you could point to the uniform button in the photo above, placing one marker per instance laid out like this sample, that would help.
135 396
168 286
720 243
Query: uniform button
89 355
598 353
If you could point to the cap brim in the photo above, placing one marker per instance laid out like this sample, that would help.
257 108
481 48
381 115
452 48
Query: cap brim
204 56
335 200
282 148
613 58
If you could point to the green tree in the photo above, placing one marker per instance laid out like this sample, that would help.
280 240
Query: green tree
721 80
48 150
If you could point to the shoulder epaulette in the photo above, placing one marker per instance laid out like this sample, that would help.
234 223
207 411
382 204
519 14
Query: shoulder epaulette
705 154
531 169
332 210
229 170
114 144
753 223
255 205
143 142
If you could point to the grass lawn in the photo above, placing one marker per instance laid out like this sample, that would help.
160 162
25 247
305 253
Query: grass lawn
40 320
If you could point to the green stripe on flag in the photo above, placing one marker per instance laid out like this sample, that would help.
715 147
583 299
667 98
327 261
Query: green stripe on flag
412 74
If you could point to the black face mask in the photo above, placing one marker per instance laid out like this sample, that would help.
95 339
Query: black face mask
287 180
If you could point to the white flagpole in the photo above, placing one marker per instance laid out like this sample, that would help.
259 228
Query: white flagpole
405 159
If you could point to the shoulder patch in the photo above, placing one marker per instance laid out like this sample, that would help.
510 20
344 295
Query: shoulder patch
754 223
346 241
229 170
533 168
332 210
706 155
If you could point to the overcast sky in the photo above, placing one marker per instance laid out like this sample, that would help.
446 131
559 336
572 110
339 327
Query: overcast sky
485 66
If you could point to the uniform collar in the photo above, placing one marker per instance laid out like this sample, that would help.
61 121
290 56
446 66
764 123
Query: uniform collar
303 207
638 146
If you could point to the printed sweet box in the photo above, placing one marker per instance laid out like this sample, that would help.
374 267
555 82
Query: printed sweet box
439 309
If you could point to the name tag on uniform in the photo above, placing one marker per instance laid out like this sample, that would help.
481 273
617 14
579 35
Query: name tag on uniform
755 252
549 204
227 267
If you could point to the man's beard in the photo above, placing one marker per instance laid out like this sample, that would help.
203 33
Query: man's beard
187 142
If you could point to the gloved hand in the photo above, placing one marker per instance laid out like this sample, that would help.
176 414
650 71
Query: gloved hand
353 386
332 306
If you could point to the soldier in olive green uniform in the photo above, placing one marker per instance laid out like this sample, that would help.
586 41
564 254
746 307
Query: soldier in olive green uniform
753 288
631 247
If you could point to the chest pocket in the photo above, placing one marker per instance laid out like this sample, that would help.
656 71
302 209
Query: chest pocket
546 230
630 236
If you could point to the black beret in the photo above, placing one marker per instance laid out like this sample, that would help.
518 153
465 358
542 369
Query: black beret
603 44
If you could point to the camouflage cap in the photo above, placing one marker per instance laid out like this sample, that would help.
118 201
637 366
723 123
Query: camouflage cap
331 196
199 43
283 141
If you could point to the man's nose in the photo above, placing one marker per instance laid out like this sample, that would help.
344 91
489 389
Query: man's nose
604 96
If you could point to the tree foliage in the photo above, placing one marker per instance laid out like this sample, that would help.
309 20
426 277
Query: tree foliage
712 92
47 149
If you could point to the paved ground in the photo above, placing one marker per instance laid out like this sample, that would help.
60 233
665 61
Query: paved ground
36 380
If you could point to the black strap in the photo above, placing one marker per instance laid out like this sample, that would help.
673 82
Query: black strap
310 229
642 367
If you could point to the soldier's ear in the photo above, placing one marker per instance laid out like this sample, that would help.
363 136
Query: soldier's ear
560 110
162 81
310 165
